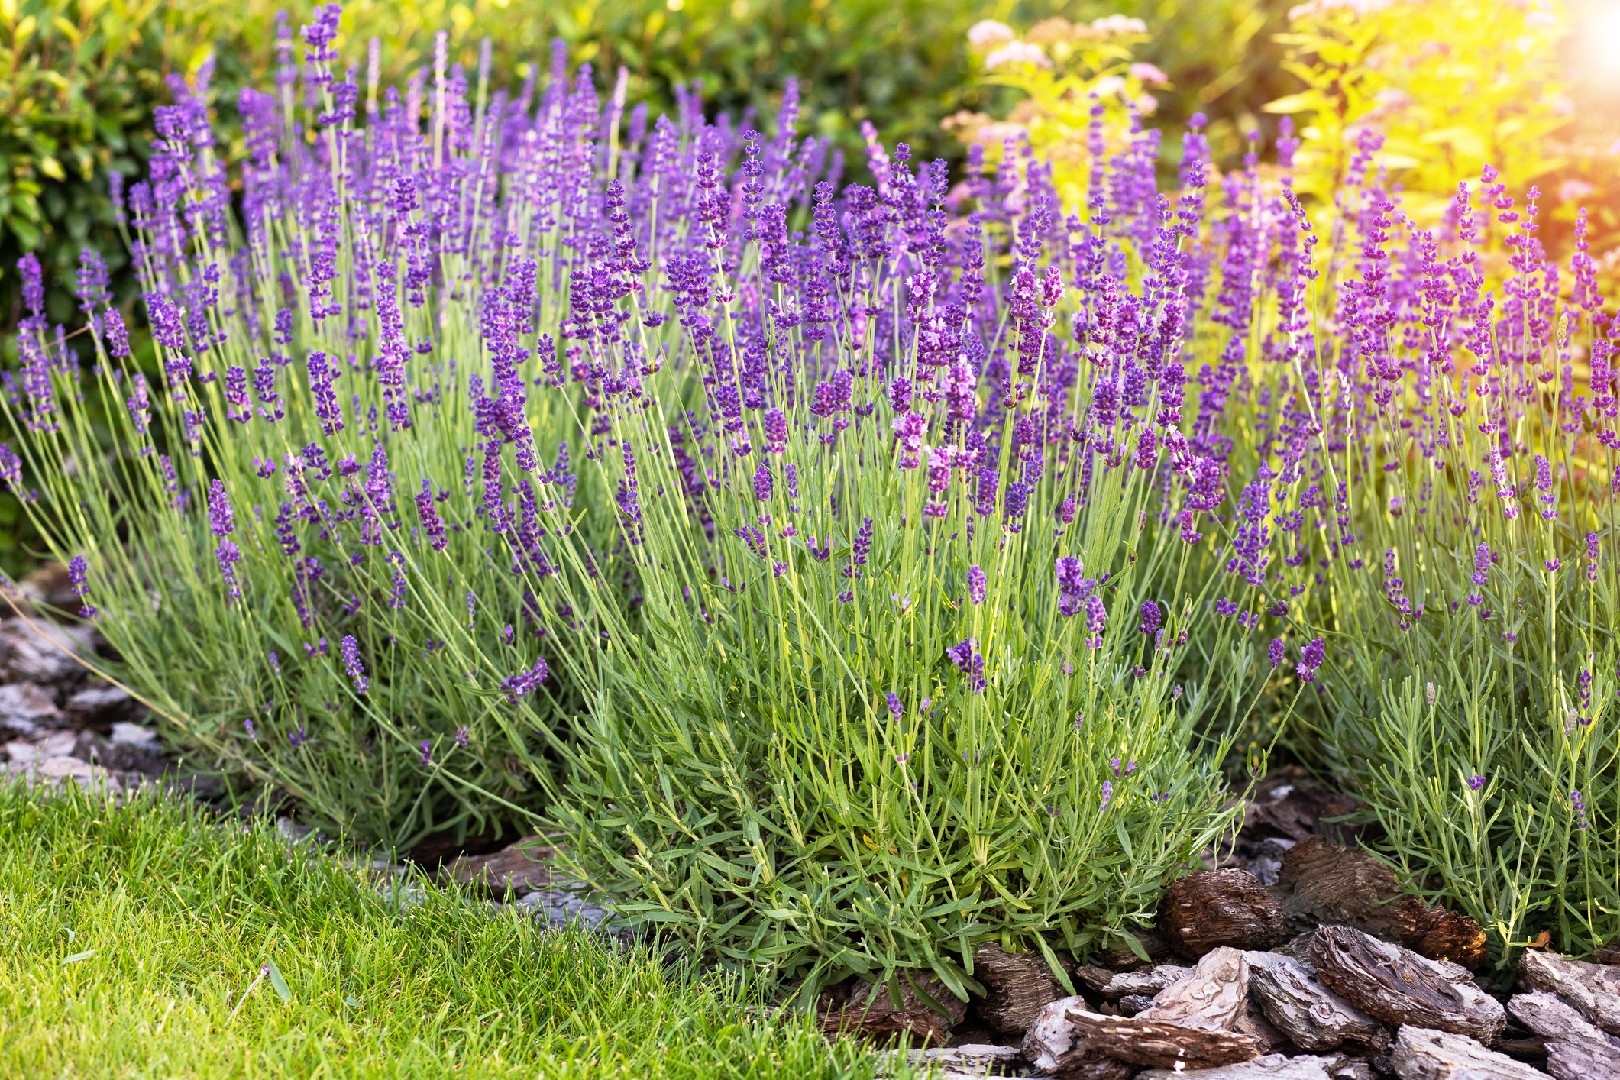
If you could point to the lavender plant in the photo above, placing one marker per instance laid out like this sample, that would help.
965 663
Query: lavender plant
1470 434
916 543
316 554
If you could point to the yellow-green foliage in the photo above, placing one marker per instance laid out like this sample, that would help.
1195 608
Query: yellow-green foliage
1065 72
1172 58
1451 84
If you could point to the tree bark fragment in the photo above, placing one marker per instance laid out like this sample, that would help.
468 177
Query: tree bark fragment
1220 907
1313 1017
1398 986
1428 1054
1594 989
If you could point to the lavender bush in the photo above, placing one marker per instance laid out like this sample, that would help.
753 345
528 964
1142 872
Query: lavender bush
1466 414
930 652
317 555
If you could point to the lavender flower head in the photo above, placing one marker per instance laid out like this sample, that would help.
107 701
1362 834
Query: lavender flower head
978 585
352 664
78 574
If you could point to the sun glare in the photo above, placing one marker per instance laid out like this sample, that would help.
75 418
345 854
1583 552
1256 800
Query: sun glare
1600 46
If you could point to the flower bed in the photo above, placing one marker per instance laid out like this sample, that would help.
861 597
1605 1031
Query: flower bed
860 573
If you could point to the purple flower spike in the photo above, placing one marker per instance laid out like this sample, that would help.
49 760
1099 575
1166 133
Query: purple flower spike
78 574
762 482
1152 619
352 664
220 517
1476 782
1276 651
978 585
965 655
1310 659
896 708
427 754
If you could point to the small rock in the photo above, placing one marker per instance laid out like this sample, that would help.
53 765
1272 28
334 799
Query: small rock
25 708
1313 1017
1427 1054
58 744
1398 986
969 1061
99 705
1266 862
1270 1067
82 773
520 868
1220 907
1017 987
41 652
1594 989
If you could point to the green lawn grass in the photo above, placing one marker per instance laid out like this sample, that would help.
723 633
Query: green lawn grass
134 939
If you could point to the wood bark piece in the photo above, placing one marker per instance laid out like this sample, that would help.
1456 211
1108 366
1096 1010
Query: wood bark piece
1581 1059
523 867
1551 1017
1155 1043
1576 1048
1016 987
1210 999
1111 985
1051 1046
1120 958
1347 886
1220 907
1398 986
1594 989
1427 1054
1312 1016
1256 1025
870 1010
1270 1067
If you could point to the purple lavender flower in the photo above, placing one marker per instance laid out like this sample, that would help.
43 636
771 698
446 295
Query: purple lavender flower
1591 556
896 709
978 585
1152 619
427 755
1107 795
327 409
11 470
1310 659
1096 620
78 574
762 482
220 517
1476 782
461 737
350 650
227 555
965 655
1276 651
1577 803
